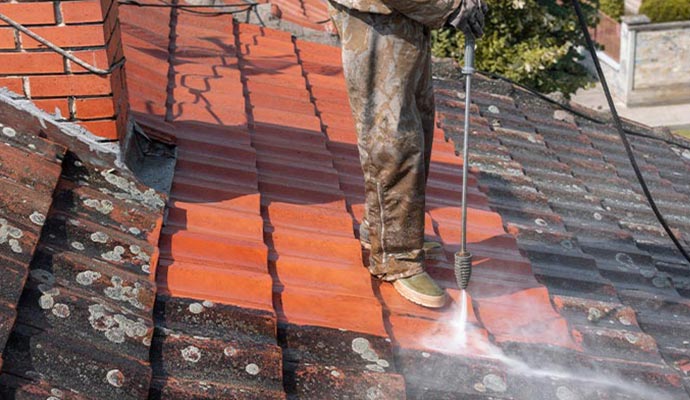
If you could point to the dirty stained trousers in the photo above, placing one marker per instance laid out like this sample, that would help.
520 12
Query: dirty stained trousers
387 66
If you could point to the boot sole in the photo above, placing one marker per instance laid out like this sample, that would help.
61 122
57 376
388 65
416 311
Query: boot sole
419 298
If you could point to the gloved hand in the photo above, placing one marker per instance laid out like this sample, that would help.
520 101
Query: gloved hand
469 17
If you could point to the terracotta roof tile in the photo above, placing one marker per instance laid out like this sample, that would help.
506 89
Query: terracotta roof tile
88 244
261 292
28 178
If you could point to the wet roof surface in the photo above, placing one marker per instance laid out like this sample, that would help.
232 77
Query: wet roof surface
261 292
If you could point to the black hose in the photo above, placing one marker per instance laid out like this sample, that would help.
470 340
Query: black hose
621 131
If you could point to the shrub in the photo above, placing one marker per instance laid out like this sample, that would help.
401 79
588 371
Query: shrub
666 10
532 42
612 8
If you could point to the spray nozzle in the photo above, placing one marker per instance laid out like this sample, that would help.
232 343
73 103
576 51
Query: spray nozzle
463 269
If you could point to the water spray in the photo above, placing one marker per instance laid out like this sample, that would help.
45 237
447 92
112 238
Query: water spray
463 258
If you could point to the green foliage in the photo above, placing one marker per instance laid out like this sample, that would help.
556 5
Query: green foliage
666 10
612 8
529 41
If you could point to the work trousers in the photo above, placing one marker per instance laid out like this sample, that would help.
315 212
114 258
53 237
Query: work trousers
387 67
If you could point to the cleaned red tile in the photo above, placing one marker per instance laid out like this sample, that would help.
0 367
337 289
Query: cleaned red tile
317 246
205 218
317 219
214 249
219 195
446 337
525 316
226 284
327 276
304 306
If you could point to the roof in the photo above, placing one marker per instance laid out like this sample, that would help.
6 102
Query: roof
78 241
260 288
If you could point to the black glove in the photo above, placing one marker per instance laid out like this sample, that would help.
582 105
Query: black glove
469 17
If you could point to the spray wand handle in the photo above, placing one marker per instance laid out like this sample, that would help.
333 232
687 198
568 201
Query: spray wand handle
463 259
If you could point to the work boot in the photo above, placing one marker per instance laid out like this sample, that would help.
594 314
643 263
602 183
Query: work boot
421 289
432 250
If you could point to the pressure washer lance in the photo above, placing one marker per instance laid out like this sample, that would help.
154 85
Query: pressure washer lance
463 259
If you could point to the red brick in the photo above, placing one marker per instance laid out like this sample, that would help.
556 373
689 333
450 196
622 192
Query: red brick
31 63
110 23
104 128
14 84
66 36
29 13
49 105
7 38
114 44
74 12
96 58
69 85
106 6
101 107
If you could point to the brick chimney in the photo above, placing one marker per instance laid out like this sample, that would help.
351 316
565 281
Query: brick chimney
90 30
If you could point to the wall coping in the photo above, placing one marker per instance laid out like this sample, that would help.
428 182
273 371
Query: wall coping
642 23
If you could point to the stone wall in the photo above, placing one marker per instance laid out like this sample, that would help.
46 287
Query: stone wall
654 63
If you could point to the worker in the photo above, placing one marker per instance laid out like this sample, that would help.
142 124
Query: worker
386 52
